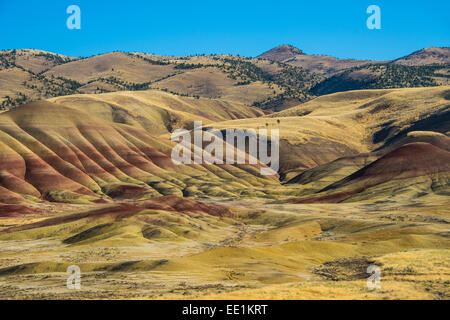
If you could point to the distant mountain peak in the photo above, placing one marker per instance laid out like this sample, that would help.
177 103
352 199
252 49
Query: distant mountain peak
281 53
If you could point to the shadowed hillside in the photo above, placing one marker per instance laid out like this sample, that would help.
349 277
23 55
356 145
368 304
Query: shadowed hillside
426 56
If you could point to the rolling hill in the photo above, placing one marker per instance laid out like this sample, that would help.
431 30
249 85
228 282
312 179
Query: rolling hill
87 179
412 170
276 80
426 56
350 123
385 76
98 146
321 64
232 78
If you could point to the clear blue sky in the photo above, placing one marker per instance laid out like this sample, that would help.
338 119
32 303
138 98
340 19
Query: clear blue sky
242 27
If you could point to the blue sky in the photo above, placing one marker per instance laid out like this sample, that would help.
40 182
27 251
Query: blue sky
248 28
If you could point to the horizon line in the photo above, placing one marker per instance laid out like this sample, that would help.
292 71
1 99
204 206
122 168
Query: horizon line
219 54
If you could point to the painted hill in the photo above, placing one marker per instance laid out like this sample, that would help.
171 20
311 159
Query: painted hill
231 78
349 124
414 169
95 151
281 53
320 64
327 65
155 111
426 56
87 179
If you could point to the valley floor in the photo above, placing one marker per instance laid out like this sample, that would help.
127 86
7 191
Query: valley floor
266 251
